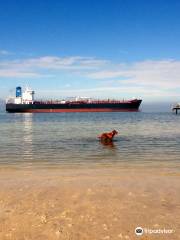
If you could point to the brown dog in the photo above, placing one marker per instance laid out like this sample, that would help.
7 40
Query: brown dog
107 137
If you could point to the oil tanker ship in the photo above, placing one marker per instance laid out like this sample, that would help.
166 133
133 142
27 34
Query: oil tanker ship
25 102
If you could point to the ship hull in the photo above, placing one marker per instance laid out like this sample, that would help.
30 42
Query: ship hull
75 107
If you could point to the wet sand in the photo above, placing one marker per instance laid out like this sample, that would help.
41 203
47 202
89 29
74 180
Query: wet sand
88 204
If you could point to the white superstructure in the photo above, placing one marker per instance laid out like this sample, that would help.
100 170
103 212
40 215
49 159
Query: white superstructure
27 97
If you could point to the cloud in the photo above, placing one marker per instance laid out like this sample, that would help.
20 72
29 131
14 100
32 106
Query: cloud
66 63
15 74
162 74
4 52
35 67
147 78
124 91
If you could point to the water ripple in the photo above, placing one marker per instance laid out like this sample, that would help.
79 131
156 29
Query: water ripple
56 139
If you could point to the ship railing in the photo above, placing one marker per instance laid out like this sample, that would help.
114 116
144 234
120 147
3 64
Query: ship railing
84 101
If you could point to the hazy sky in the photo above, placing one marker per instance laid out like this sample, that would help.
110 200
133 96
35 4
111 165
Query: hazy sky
97 48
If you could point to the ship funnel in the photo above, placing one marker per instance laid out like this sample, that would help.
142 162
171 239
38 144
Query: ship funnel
18 92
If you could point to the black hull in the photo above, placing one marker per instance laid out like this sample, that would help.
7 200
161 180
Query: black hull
75 107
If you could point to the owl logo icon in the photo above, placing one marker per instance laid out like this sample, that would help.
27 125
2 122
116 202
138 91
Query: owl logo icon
139 231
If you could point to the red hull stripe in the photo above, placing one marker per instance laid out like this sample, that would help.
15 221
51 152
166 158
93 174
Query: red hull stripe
79 110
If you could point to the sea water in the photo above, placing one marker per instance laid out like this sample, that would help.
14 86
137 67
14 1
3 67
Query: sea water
70 139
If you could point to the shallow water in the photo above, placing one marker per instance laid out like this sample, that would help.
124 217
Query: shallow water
70 139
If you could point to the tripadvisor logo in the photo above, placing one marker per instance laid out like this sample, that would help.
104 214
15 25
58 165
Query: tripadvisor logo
139 231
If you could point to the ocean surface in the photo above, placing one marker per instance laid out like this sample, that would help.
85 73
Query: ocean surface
70 139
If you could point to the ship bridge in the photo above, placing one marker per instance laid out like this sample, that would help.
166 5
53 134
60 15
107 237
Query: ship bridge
26 97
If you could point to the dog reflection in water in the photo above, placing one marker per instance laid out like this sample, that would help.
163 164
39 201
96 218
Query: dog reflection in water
107 138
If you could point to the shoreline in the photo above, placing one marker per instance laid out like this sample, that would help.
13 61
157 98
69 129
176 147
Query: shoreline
101 203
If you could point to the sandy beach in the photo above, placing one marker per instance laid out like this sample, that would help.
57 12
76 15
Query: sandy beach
98 203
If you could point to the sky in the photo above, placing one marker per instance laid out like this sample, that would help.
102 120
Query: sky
89 48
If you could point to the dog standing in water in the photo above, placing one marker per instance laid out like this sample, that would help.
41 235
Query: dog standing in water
107 137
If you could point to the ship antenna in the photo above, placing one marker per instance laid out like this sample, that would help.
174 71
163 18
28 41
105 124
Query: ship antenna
27 86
